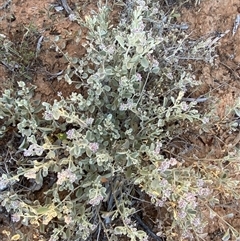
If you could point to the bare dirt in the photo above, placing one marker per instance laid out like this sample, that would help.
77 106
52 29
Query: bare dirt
221 80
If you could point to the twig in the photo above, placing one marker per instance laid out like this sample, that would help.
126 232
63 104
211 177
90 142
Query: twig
231 70
66 7
55 75
51 75
39 42
146 228
198 100
215 40
236 25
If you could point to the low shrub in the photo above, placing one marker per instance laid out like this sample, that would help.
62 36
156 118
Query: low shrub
100 153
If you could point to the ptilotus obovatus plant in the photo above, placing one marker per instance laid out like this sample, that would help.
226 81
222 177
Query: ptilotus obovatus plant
101 151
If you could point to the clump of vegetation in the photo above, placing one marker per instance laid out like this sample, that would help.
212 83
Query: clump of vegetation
20 58
102 151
